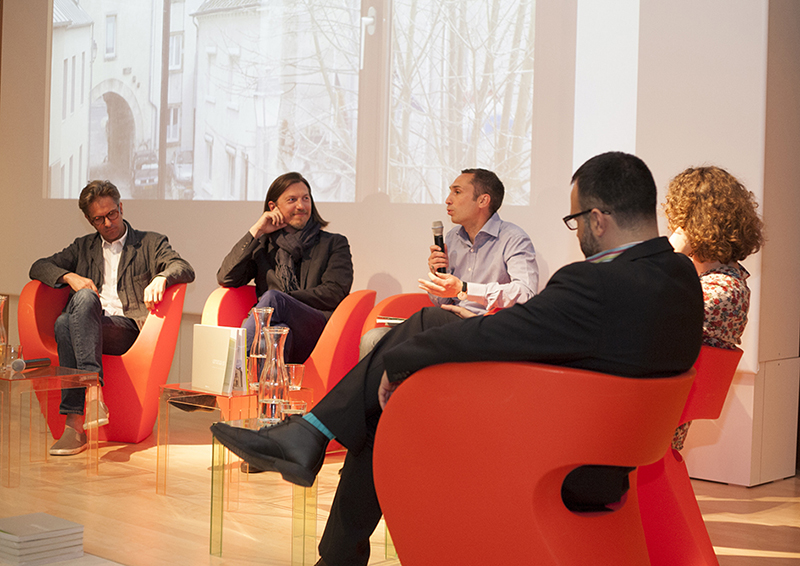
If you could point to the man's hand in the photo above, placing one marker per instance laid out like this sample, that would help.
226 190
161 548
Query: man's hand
154 292
441 284
385 390
437 259
270 221
460 311
76 282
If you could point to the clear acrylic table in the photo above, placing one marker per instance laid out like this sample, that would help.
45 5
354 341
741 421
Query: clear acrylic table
237 405
304 505
20 389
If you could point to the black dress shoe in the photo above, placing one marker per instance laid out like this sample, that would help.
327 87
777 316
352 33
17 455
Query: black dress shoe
293 447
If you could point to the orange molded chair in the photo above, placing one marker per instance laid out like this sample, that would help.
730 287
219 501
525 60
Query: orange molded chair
402 305
446 504
132 380
228 306
336 351
673 524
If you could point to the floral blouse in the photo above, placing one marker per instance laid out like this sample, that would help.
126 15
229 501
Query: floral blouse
727 298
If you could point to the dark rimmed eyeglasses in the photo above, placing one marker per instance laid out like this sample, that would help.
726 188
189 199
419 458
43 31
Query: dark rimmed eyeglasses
100 220
571 220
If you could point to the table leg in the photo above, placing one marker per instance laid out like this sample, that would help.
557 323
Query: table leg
93 434
389 552
10 434
5 433
162 442
304 525
217 496
38 427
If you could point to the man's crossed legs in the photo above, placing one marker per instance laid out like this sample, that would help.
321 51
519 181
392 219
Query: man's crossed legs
83 335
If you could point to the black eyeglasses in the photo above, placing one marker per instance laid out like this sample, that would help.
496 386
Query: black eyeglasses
571 219
100 220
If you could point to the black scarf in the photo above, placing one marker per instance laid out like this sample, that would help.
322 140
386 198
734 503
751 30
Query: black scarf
291 247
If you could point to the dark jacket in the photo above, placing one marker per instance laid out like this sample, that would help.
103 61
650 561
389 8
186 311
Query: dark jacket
640 315
325 277
144 256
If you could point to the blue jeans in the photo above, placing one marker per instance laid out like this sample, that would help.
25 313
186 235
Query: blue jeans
83 335
305 325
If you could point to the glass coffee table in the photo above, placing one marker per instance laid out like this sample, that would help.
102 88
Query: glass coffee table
20 389
304 504
174 396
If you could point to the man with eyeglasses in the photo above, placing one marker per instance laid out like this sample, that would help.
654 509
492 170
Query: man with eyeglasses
116 276
634 308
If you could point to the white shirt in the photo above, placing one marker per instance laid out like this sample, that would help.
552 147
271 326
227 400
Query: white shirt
109 298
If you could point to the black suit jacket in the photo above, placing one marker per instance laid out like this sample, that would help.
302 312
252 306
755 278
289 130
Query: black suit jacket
640 315
326 269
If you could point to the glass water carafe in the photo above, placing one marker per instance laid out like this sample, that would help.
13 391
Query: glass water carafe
273 384
259 349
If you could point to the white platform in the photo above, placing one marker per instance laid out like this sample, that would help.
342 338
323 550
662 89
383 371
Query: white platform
755 439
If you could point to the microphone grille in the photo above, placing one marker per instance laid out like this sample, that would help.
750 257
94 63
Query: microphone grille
437 227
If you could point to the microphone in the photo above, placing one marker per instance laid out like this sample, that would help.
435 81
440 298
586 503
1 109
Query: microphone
438 240
20 364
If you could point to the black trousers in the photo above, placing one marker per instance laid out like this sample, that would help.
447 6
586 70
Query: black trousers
351 411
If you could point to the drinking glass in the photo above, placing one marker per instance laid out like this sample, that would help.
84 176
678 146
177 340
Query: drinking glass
295 373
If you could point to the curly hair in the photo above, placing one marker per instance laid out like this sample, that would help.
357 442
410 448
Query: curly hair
717 214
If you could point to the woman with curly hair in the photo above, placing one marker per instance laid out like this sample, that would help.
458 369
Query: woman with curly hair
714 222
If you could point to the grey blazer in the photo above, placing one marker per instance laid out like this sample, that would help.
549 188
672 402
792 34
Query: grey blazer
145 256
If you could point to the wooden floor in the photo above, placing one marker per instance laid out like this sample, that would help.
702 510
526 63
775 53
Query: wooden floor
128 523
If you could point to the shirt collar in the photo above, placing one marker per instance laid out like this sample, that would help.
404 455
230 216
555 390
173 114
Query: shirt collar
117 244
610 255
491 228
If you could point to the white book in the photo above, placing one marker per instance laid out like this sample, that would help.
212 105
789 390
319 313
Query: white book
41 554
61 557
214 358
21 547
36 526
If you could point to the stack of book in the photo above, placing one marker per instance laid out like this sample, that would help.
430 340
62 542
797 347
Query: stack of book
39 538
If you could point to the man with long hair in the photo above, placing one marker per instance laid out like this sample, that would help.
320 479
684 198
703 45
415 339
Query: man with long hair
300 270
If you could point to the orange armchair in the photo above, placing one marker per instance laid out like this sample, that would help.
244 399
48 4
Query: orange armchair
400 306
534 423
673 524
336 351
132 380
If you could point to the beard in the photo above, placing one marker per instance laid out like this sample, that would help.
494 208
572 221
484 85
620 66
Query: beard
589 245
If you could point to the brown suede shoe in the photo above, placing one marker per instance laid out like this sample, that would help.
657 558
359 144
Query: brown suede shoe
96 420
71 442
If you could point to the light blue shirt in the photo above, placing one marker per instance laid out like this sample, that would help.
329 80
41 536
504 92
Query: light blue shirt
499 267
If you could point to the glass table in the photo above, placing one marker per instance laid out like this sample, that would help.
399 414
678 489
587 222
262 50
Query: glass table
304 505
237 405
20 389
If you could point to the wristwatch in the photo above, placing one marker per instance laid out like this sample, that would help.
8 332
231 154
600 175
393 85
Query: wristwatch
462 296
